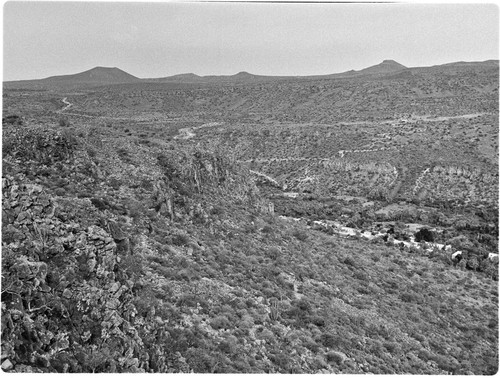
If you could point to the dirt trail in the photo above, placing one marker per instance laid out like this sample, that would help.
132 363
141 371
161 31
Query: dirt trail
281 159
341 153
268 178
429 118
68 104
185 133
188 132
412 119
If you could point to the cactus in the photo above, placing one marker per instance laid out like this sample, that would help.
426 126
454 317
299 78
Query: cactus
275 309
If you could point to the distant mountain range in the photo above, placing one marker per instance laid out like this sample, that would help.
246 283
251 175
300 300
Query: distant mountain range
387 66
113 75
193 78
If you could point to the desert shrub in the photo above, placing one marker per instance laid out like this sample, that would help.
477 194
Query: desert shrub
489 241
44 172
217 210
91 152
180 239
170 165
250 228
473 262
124 155
411 297
133 264
304 305
100 203
146 184
135 208
376 348
360 275
330 341
424 355
64 122
334 357
307 342
115 183
491 270
318 363
300 311
317 320
188 300
186 275
12 120
266 334
413 249
461 242
267 229
273 253
300 234
220 322
391 347
349 261
444 363
59 192
229 346
363 289
160 260
268 292
400 262
282 360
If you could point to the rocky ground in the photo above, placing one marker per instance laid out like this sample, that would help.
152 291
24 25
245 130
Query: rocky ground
126 249
165 260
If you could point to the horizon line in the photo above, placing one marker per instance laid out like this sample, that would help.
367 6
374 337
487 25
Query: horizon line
247 72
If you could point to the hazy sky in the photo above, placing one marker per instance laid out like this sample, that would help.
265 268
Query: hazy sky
41 39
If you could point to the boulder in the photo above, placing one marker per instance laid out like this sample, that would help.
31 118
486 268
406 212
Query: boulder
27 270
7 365
123 247
116 231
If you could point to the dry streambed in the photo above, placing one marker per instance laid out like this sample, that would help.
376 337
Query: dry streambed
338 229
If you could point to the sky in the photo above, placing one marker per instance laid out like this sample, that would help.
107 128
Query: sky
158 39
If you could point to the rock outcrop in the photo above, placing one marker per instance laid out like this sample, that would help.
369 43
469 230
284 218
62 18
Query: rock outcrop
44 145
61 279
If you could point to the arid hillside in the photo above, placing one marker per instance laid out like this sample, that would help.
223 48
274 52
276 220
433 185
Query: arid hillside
329 225
452 92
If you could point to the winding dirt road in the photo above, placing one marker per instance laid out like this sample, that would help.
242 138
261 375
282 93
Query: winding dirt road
68 104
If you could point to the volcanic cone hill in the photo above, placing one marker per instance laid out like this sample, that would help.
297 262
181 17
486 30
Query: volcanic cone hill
387 66
101 75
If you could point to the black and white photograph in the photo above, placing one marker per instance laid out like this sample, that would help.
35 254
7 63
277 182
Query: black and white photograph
240 187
